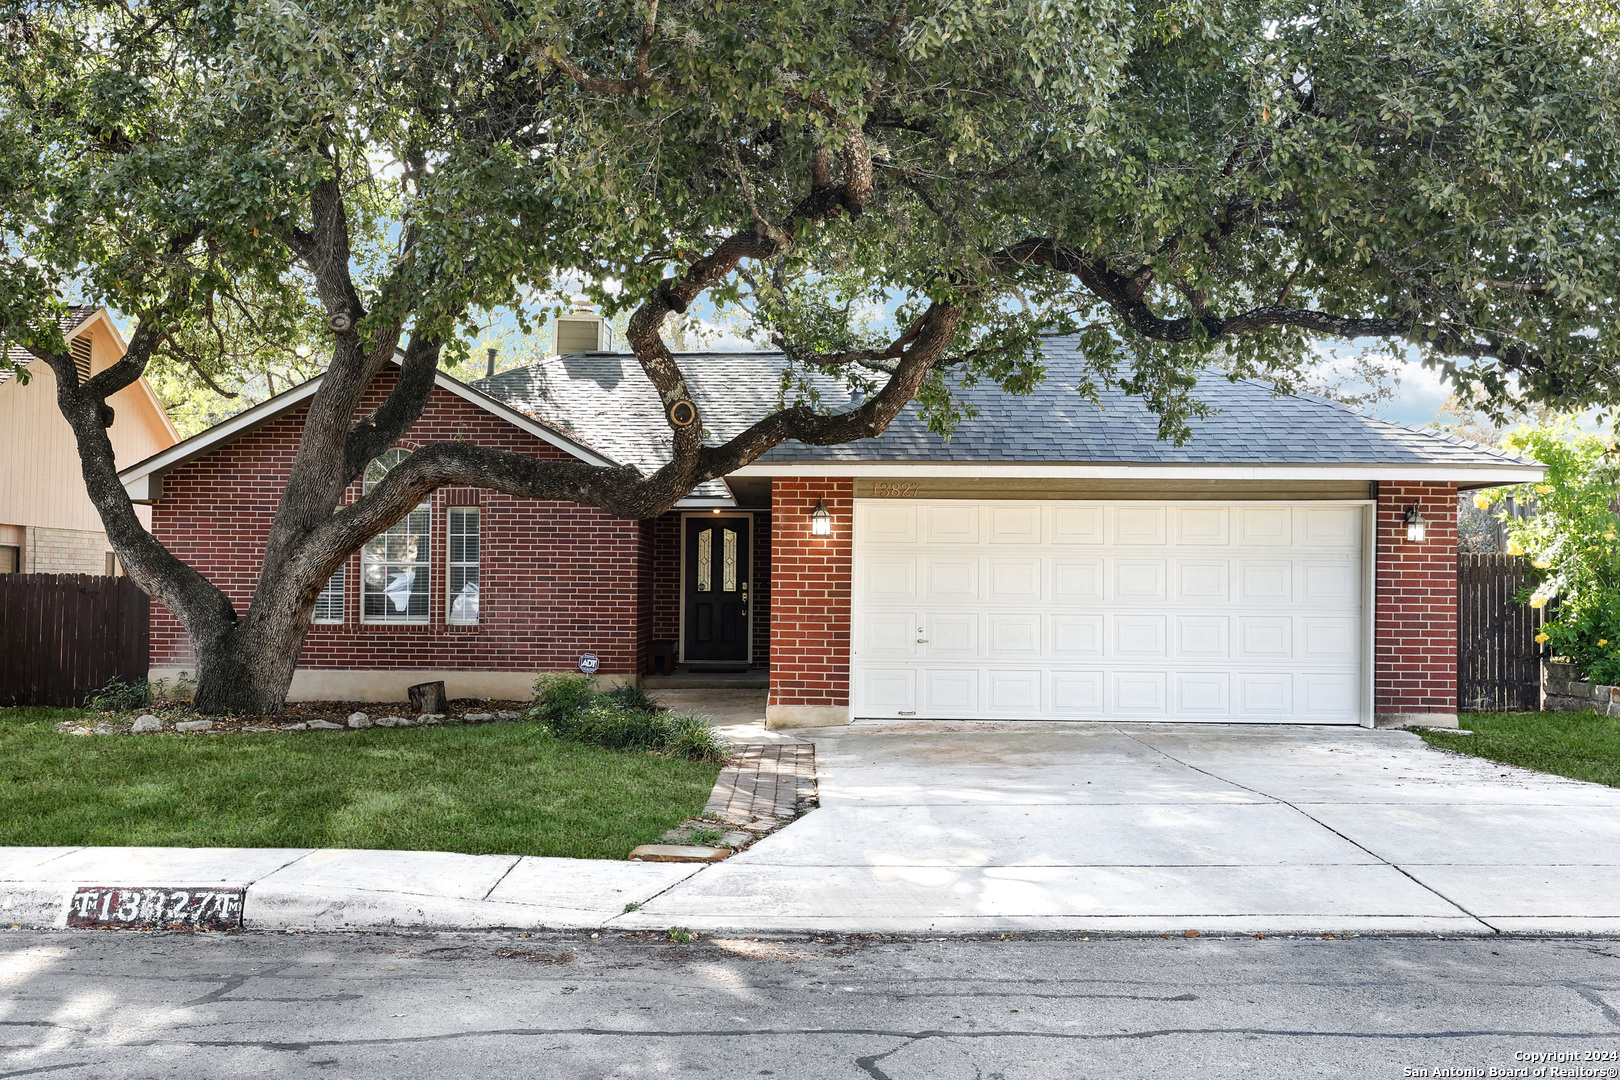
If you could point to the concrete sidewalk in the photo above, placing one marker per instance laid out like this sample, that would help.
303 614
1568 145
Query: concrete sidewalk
984 828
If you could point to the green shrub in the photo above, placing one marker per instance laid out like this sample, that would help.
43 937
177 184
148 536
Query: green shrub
633 699
571 708
120 696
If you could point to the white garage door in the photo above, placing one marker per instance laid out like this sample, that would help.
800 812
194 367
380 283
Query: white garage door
1126 611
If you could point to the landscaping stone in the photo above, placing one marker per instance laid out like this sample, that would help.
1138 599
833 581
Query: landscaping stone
678 853
146 723
358 720
106 729
507 714
194 725
1563 690
425 718
257 728
479 717
324 725
294 727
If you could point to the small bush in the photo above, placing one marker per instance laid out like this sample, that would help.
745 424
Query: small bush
633 699
571 708
120 696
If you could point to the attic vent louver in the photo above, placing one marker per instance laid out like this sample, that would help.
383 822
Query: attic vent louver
581 330
81 357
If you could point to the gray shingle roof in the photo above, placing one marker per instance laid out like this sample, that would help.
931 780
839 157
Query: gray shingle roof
604 400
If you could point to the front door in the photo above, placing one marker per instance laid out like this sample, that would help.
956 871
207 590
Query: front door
716 616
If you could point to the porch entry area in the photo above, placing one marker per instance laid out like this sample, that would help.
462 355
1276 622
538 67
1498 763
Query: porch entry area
716 616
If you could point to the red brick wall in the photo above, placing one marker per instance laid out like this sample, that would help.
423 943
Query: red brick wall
760 595
557 579
1415 626
810 587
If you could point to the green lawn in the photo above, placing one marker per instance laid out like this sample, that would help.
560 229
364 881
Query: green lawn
1582 746
491 788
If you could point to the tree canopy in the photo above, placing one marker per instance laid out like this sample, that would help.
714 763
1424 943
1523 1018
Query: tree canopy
1178 182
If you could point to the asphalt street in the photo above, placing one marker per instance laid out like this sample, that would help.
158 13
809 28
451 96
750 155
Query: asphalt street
106 1005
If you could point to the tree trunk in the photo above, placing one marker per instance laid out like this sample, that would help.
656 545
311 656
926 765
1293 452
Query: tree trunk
248 671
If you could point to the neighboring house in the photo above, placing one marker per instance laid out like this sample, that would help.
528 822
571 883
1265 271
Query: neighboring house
47 522
1053 560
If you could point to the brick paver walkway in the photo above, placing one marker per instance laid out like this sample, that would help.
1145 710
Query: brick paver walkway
765 782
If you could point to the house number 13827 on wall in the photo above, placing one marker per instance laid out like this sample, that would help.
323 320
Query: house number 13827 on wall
895 491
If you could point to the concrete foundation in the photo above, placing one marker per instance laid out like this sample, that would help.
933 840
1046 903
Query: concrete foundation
805 716
328 684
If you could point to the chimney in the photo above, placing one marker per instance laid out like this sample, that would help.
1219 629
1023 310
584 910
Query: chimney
490 370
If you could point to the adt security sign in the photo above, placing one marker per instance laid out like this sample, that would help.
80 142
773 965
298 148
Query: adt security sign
589 663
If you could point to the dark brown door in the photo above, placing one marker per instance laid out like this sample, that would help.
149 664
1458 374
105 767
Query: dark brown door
717 561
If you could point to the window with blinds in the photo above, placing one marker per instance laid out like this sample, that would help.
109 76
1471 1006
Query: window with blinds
462 538
329 605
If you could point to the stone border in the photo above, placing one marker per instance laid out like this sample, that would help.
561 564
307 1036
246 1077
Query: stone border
1563 690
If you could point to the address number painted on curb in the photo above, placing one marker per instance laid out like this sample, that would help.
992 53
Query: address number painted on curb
156 908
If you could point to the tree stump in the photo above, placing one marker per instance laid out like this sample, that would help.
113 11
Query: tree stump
428 697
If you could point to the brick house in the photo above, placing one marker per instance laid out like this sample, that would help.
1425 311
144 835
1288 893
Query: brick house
1052 560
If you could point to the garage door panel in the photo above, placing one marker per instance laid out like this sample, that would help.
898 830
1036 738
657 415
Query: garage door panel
1014 635
1331 527
1077 693
1134 525
1205 694
1265 637
1266 582
888 635
1140 692
1016 581
1203 637
951 524
1077 580
1138 610
1328 639
1076 636
1015 525
885 579
1203 526
1204 582
951 691
952 634
889 523
1265 694
1077 525
1266 526
1139 637
888 689
1139 580
1014 691
951 580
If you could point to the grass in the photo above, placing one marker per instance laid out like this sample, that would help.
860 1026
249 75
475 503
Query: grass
495 788
1581 746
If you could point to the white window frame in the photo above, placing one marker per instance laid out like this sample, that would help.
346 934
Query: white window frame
335 589
423 563
452 564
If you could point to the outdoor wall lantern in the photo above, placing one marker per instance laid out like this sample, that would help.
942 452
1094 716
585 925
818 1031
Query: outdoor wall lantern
1417 526
820 520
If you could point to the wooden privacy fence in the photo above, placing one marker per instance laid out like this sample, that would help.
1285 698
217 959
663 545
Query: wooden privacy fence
63 636
1498 660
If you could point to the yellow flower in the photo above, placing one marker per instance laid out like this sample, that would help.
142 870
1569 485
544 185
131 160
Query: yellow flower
1541 639
1610 535
1539 564
1514 548
1602 641
1538 601
1482 502
1544 488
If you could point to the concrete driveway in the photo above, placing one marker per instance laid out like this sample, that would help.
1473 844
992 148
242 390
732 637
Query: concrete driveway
1164 829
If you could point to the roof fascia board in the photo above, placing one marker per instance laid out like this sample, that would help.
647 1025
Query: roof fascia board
1480 475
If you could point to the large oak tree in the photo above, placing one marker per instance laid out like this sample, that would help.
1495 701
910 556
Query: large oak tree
1179 182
